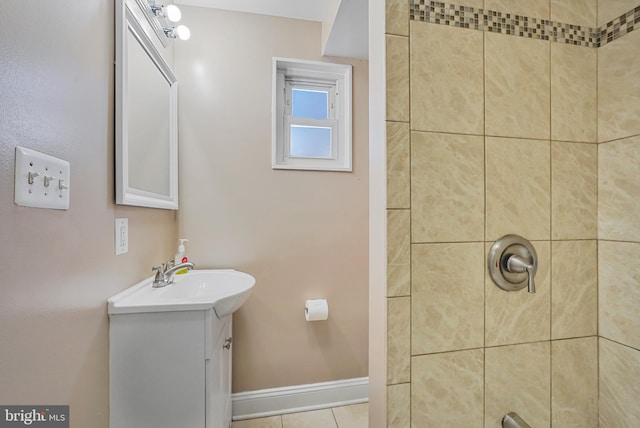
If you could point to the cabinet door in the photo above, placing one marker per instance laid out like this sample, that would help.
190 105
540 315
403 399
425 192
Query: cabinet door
157 361
218 380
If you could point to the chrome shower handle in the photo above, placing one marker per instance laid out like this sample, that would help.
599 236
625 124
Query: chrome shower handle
517 264
510 258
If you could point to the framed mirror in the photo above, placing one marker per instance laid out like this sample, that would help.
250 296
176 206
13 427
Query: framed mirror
146 115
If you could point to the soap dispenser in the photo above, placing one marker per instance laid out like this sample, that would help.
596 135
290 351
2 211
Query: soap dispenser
181 257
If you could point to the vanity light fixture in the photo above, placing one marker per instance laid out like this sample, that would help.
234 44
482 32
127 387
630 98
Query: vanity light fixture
171 12
164 16
180 32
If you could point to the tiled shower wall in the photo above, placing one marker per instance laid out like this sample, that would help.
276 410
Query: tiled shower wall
489 134
619 224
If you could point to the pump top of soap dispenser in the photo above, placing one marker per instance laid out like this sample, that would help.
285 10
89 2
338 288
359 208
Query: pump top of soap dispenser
181 246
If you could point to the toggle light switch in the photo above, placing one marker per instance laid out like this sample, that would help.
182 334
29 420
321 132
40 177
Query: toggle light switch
36 175
32 176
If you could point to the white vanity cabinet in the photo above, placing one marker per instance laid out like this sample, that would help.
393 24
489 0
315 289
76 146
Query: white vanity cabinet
170 370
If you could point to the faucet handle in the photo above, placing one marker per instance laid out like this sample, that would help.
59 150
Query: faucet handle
513 263
158 270
531 285
167 265
517 264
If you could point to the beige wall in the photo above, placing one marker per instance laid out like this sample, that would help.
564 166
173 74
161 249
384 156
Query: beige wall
59 267
302 234
618 228
489 134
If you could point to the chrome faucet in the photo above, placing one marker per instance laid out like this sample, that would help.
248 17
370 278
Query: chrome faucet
165 272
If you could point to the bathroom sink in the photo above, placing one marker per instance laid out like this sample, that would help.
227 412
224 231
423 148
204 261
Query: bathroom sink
224 290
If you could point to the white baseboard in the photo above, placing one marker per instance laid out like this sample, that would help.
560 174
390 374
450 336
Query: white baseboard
299 398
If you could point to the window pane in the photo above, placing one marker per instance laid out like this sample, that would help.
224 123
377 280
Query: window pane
310 104
310 141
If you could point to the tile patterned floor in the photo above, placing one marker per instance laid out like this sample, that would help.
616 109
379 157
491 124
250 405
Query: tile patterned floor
354 416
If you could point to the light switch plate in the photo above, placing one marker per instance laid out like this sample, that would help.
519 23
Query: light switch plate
122 236
41 181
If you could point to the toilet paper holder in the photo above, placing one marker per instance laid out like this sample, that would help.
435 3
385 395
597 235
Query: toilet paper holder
316 310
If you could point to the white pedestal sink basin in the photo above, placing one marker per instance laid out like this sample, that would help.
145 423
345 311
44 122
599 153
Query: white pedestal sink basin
224 290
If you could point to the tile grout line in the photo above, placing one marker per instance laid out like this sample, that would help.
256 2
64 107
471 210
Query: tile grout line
335 420
551 227
484 230
410 231
597 139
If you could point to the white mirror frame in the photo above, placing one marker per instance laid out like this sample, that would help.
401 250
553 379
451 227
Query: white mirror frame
126 21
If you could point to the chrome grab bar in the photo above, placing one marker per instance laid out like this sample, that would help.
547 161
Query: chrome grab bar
512 420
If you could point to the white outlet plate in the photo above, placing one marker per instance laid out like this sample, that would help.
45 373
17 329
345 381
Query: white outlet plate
41 181
122 236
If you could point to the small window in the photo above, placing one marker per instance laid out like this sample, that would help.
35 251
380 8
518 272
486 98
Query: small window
311 116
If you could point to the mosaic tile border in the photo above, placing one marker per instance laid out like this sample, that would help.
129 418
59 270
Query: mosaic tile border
620 26
453 15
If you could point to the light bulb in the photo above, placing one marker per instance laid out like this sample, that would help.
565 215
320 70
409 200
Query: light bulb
182 32
172 12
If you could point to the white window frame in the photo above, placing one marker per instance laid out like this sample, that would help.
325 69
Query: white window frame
292 73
